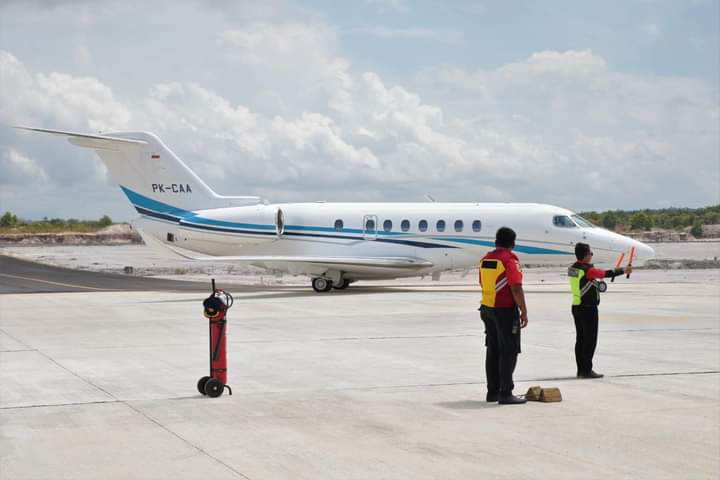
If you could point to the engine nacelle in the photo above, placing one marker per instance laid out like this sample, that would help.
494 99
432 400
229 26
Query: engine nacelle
260 220
211 231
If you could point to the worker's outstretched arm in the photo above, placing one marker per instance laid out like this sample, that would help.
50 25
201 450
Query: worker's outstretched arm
616 272
519 296
596 273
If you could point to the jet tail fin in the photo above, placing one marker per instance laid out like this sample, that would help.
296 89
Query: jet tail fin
146 168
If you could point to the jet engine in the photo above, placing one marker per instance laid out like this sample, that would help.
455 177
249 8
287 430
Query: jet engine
211 231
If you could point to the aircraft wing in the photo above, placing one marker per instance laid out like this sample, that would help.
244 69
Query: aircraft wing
365 262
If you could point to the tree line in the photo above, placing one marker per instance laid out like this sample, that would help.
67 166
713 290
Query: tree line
617 220
666 218
10 222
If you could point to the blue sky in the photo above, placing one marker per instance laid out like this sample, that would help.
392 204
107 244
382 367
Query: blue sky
586 105
663 34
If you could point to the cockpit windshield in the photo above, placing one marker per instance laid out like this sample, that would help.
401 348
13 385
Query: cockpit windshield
582 222
563 221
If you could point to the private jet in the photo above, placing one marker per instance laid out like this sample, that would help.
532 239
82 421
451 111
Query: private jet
335 244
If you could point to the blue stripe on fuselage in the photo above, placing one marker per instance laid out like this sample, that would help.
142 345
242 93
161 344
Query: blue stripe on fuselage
154 208
518 248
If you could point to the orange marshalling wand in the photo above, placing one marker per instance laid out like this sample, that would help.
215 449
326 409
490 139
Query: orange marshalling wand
632 255
617 265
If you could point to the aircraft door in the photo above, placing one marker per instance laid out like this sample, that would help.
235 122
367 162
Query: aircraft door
370 227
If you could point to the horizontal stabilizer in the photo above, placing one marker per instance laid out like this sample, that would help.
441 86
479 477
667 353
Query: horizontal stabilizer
103 142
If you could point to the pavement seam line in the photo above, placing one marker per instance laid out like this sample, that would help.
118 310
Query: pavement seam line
184 440
138 411
15 339
71 404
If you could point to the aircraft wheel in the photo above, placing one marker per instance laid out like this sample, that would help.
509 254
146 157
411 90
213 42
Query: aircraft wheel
214 388
343 285
201 385
320 284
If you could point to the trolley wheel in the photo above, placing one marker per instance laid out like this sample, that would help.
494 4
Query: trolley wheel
214 388
320 284
201 385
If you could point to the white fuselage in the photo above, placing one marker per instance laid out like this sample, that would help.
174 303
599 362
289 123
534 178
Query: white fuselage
386 230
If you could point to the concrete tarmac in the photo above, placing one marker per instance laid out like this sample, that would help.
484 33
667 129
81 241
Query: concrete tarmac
374 382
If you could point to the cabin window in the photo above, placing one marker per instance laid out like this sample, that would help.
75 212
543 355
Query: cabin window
440 225
338 225
422 225
170 237
476 225
458 225
387 225
405 225
369 225
563 221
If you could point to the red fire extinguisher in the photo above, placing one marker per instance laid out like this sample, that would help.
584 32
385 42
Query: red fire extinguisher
215 308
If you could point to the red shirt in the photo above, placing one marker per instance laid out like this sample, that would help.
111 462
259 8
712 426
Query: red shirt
593 273
513 273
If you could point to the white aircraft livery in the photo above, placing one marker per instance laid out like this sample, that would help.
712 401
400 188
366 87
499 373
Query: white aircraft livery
334 244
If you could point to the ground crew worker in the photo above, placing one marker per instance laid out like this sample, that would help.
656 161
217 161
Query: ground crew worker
502 295
584 283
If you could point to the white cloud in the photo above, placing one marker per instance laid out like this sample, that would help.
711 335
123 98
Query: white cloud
578 88
62 99
17 168
51 100
233 141
75 100
526 131
628 132
302 53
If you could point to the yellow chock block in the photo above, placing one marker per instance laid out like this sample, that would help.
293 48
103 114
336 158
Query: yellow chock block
550 395
533 394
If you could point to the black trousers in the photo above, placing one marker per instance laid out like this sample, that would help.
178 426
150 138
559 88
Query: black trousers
586 333
502 345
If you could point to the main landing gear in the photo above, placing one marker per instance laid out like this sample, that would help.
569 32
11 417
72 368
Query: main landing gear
342 285
320 284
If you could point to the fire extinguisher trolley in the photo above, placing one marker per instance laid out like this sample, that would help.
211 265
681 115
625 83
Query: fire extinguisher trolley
215 308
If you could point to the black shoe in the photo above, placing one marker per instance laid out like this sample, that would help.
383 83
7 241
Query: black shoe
492 397
590 374
511 400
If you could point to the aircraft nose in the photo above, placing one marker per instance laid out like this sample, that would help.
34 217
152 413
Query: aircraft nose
643 253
